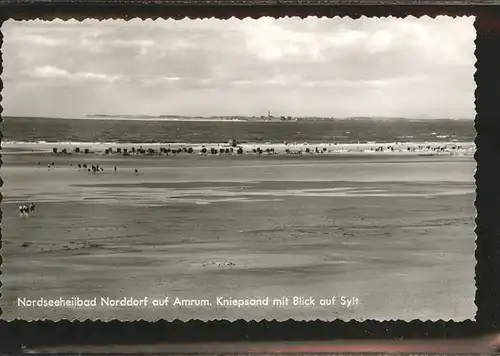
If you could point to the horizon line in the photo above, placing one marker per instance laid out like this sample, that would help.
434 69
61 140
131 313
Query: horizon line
162 116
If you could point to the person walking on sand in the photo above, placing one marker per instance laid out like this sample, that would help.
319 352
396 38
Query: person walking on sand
32 207
114 169
21 210
136 171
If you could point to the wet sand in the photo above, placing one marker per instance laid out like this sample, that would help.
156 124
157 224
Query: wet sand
396 234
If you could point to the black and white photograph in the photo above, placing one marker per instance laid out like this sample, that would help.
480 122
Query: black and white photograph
316 168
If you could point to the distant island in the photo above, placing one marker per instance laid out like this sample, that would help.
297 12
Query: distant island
238 118
269 117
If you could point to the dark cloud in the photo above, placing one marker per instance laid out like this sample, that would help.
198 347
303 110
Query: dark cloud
329 67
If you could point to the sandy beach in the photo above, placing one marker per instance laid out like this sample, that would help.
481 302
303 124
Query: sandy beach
266 148
395 232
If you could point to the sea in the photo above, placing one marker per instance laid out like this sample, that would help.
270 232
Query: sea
25 129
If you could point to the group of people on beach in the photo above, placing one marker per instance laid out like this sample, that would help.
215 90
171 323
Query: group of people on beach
26 209
93 169
49 166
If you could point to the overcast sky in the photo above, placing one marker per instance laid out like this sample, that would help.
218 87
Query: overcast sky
421 68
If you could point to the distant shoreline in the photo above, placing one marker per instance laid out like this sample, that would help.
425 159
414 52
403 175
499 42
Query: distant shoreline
282 119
